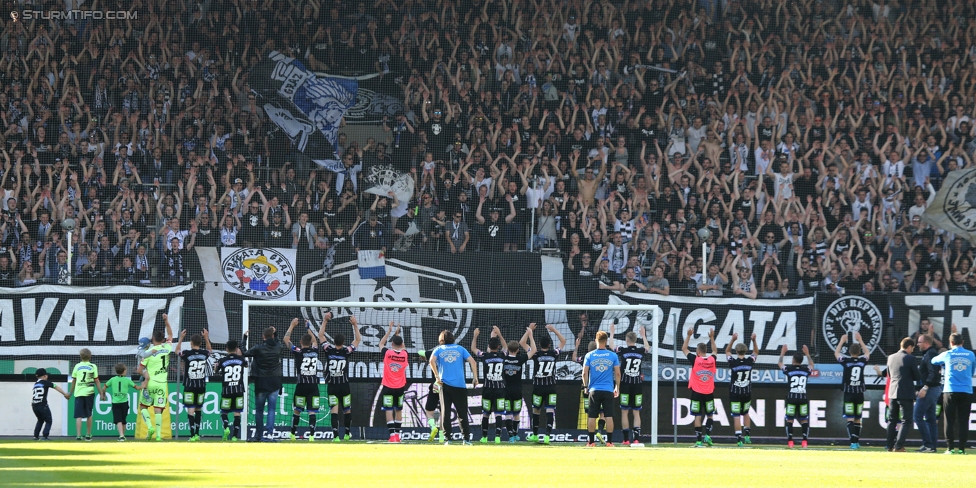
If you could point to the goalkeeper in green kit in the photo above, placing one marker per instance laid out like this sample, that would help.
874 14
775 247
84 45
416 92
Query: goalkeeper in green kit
155 369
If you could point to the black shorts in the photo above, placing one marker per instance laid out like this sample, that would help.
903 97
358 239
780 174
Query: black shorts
232 403
493 401
119 412
393 398
544 397
702 404
631 396
797 409
307 397
340 395
513 400
433 401
739 404
84 406
193 397
853 405
600 402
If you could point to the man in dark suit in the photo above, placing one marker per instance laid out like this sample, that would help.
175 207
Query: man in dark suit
903 372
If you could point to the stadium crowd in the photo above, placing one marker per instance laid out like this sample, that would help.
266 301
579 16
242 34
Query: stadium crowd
807 137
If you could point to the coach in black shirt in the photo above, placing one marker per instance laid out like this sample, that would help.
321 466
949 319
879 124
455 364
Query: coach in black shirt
266 364
928 395
903 371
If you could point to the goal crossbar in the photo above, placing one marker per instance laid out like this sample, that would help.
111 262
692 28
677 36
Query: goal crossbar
655 391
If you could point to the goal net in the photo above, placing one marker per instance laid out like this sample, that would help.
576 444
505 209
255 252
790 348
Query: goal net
421 323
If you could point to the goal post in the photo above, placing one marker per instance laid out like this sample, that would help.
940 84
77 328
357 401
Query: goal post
429 317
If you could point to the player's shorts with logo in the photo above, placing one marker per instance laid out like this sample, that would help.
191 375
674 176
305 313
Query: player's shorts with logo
853 405
631 396
739 404
144 398
307 397
393 398
232 403
600 402
544 397
797 409
158 394
193 397
340 395
493 400
702 404
433 401
513 400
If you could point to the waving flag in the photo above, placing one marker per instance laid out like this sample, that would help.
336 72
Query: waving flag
372 265
305 106
383 179
954 207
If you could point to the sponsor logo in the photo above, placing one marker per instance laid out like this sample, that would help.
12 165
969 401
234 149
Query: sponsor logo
960 202
404 282
850 314
449 356
259 273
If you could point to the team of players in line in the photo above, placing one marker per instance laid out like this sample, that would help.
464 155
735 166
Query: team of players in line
503 363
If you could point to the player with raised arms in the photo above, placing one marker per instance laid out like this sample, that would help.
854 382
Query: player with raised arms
544 384
853 384
493 391
702 385
601 380
306 398
395 363
337 357
631 383
155 369
195 361
740 386
514 361
797 404
233 383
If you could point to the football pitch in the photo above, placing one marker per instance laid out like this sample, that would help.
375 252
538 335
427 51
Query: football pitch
143 464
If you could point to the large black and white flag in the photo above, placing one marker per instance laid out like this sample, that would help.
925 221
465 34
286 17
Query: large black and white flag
954 207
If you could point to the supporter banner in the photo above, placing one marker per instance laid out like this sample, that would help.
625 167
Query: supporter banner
429 278
54 320
306 107
942 310
954 207
850 314
768 414
266 274
776 323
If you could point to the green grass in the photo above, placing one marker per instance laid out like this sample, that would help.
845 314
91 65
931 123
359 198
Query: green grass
144 464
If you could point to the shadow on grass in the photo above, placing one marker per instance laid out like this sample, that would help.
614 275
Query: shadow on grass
75 477
20 452
55 467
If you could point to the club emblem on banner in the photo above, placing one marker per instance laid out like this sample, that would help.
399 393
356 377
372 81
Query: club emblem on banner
851 314
960 204
259 273
399 281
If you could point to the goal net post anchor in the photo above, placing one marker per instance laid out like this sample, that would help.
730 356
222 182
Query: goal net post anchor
246 306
